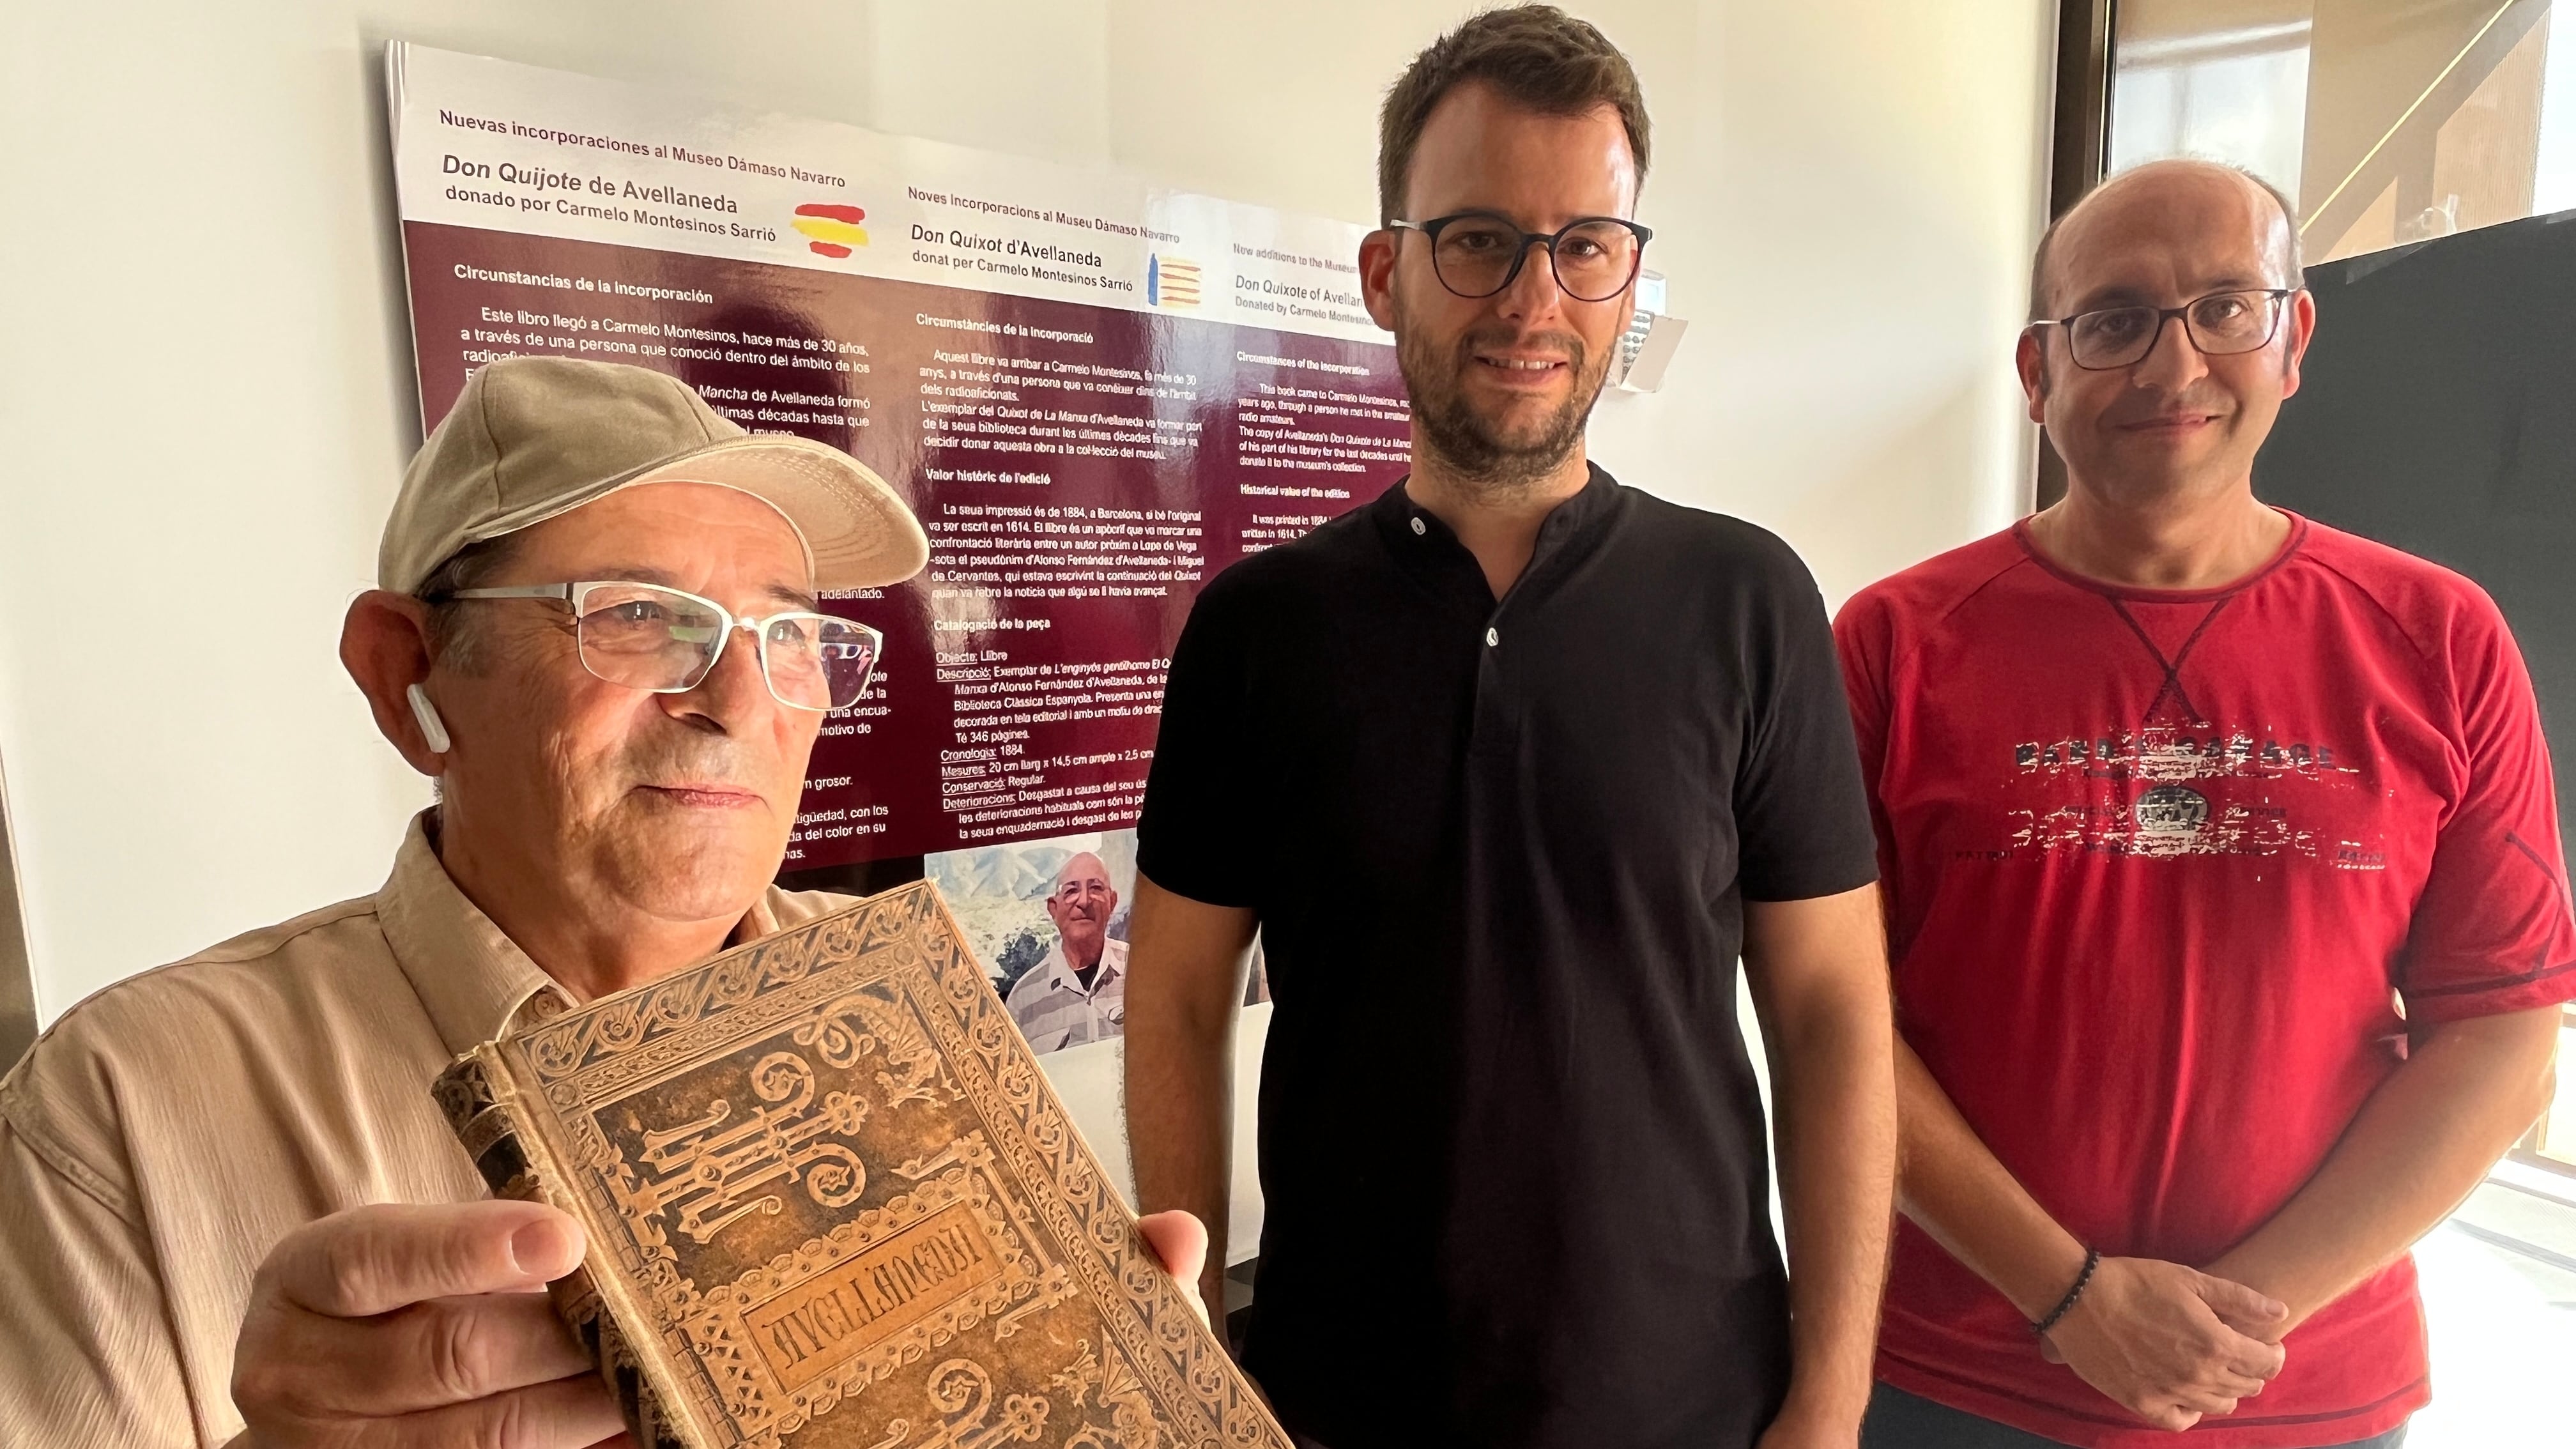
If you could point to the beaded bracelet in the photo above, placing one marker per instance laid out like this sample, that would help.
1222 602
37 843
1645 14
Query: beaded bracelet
2092 1260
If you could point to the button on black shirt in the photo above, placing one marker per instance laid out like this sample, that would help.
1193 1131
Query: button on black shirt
1511 1147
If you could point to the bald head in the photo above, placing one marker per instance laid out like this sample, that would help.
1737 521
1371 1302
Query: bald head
2156 198
1084 866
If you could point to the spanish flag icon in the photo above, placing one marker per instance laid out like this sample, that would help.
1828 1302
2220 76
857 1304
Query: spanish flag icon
831 230
1171 282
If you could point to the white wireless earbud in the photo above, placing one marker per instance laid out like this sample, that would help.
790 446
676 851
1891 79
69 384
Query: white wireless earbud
431 726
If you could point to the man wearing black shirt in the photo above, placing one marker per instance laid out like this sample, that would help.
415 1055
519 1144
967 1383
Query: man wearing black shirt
1565 750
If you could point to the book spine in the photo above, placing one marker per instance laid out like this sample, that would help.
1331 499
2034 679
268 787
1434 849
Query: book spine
482 1105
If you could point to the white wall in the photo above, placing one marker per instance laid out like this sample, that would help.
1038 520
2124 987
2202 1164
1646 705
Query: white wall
204 381
1845 193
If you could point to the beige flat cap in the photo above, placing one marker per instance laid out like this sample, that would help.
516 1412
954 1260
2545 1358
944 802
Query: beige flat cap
533 437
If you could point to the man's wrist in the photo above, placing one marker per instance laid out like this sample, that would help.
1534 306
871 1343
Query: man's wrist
2036 1293
2272 1280
2074 1294
1827 1401
1818 1416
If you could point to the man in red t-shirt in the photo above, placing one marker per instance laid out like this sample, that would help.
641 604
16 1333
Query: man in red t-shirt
2223 887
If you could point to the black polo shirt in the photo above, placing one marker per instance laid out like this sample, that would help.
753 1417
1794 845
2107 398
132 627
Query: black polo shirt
1511 1146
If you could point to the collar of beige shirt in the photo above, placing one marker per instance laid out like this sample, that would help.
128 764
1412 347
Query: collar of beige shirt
471 979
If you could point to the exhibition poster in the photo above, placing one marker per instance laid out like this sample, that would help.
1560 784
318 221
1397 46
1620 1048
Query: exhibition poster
1095 393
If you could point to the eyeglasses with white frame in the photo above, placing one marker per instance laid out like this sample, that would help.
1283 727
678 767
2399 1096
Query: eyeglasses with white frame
665 640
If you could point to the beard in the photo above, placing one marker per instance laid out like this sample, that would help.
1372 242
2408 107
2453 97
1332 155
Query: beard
1474 447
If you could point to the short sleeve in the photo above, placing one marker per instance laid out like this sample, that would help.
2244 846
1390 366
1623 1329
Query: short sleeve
1190 837
1801 815
2493 931
1861 639
91 1357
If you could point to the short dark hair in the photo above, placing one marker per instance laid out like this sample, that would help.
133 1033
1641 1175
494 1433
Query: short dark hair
467 568
2040 306
1537 56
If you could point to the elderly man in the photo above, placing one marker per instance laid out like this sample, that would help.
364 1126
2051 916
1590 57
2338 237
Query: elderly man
225 1195
1570 749
2223 888
1078 993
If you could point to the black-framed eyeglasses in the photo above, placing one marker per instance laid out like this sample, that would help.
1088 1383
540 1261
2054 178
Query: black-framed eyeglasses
1479 253
2220 324
648 637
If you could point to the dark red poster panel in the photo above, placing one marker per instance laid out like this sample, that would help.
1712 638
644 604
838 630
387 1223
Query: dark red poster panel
1081 472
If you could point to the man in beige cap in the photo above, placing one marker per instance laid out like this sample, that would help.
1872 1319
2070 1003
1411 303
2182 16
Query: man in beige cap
227 1203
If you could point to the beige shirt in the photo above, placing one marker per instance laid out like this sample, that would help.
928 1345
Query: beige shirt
1053 1009
165 1133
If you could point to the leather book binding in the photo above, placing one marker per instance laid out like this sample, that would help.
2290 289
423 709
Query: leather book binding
832 1203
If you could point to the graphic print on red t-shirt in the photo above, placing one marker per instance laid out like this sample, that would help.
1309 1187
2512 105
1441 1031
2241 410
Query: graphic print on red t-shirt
2159 869
2176 780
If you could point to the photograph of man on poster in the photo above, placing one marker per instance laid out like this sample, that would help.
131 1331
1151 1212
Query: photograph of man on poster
1048 920
1078 992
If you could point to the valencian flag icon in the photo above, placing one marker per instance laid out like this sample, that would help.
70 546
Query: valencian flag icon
831 230
1171 282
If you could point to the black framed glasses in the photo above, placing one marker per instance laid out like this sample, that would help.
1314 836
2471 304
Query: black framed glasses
2220 324
1479 253
648 637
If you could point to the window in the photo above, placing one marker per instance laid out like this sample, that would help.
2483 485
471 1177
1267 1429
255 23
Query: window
2387 122
2552 1143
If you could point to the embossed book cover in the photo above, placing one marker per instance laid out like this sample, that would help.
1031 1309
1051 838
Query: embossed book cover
833 1204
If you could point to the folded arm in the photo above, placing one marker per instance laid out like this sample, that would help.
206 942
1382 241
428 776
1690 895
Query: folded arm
2167 1342
2421 1144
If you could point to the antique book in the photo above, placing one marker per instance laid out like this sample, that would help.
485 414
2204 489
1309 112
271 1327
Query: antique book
833 1204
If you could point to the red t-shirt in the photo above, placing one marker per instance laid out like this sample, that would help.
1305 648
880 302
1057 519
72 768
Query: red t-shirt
2159 868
